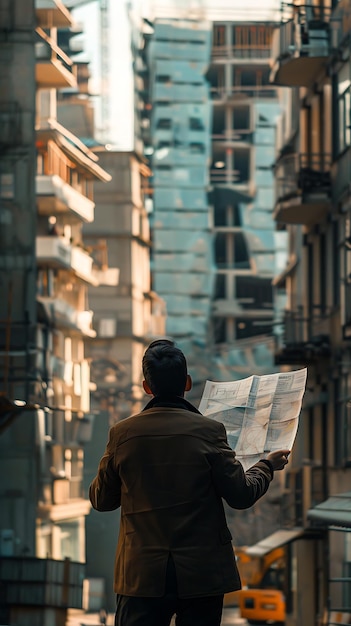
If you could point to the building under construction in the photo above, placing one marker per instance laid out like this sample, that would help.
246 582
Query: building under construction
207 115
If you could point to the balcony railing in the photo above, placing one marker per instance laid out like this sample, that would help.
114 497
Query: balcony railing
303 188
31 582
63 314
240 134
54 195
56 252
301 45
53 67
53 251
240 91
241 52
306 338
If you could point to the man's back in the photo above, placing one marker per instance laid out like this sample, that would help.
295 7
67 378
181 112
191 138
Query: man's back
174 466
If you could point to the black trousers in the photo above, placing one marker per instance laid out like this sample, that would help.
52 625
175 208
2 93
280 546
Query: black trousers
136 611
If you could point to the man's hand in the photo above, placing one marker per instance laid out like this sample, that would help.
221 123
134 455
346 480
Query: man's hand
279 458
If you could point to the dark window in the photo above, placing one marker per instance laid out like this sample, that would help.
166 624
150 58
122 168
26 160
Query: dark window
220 288
164 122
343 421
197 148
255 292
220 330
196 123
221 250
219 35
163 78
241 253
220 216
323 271
342 104
336 264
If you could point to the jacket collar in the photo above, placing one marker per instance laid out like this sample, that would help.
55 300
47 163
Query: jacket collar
175 402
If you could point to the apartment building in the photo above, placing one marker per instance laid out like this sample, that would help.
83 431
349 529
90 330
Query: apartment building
311 57
47 177
128 314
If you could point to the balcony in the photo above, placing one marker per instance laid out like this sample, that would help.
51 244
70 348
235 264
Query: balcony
52 14
242 92
252 53
82 264
54 69
55 196
56 252
64 315
303 188
28 583
306 338
300 46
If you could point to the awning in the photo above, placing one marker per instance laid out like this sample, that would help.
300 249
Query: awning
335 511
276 540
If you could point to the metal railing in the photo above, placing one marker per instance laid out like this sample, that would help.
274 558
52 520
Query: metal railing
29 581
301 30
300 328
250 91
302 172
242 52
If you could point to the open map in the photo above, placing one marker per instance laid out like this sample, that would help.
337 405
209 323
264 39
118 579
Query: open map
260 413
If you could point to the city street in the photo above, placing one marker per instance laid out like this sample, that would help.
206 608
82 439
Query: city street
79 618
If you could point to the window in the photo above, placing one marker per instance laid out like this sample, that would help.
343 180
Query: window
197 148
342 427
164 123
220 288
163 78
221 250
195 123
219 35
323 271
254 292
7 186
342 88
336 263
220 330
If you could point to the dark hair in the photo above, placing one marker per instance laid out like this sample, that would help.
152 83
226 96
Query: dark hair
165 368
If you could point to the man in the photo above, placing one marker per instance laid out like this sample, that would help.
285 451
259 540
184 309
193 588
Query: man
169 468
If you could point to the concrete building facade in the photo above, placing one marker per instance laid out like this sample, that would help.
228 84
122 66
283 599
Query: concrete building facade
128 314
311 56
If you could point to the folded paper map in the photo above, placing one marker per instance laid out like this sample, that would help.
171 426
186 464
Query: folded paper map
260 413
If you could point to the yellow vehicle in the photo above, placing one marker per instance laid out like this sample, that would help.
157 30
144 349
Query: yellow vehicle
261 600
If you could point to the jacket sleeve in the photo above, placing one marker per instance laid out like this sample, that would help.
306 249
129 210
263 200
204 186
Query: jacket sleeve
105 489
239 489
